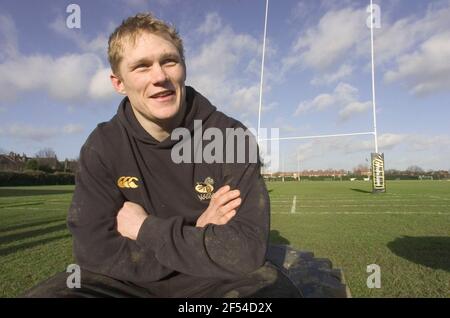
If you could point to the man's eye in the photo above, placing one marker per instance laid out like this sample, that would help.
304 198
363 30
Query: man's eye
141 66
170 62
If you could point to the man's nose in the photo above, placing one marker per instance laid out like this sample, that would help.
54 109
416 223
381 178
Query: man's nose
158 75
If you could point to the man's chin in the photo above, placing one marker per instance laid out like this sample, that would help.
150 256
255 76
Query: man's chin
166 115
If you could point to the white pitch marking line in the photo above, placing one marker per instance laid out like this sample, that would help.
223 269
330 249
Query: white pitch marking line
294 200
440 198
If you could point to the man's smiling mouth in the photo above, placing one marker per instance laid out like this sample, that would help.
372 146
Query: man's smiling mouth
163 93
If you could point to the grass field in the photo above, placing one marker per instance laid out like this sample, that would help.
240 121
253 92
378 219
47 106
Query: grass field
406 231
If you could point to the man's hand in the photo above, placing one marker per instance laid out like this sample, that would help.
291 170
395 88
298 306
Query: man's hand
222 207
130 219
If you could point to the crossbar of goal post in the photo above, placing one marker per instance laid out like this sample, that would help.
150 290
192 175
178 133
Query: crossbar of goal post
317 136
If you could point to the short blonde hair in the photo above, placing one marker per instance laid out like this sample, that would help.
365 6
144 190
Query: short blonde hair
134 26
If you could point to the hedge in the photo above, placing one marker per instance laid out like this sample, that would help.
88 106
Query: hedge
11 178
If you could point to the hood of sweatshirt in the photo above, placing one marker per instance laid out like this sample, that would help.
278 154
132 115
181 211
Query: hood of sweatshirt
197 108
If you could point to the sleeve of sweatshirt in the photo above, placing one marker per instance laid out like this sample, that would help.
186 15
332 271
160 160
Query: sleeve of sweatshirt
97 245
221 251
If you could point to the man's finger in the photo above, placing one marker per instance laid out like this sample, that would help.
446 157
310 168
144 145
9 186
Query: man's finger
227 216
231 206
227 197
221 191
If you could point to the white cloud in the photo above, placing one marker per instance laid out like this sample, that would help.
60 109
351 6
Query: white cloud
136 3
422 142
215 68
400 37
71 77
100 86
69 74
8 38
288 128
98 45
354 108
322 46
349 151
212 24
19 131
334 5
65 78
345 97
145 4
415 47
329 78
70 129
246 97
300 11
37 133
319 103
349 145
341 33
389 140
426 70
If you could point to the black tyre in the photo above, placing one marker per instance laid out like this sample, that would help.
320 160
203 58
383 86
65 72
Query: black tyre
314 277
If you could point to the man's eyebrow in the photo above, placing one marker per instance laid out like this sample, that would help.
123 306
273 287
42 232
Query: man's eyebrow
169 55
163 56
140 61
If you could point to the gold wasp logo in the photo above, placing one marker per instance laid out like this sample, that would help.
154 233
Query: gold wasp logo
205 189
127 182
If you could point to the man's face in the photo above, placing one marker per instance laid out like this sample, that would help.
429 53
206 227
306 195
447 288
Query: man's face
152 75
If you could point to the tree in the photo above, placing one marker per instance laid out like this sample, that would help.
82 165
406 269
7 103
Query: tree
360 169
392 172
46 153
32 164
414 170
45 167
60 166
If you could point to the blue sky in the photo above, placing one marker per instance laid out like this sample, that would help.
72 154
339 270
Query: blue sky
55 89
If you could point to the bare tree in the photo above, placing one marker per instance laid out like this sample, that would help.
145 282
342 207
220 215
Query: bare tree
415 169
361 169
46 153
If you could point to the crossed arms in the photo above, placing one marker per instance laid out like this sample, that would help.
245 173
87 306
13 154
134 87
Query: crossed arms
124 241
221 209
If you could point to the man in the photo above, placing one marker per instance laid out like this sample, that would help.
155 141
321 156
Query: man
146 226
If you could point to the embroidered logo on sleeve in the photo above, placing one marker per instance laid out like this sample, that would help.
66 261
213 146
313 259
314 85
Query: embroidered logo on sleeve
205 189
127 182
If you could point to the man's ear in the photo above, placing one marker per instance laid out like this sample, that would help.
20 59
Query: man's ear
117 84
